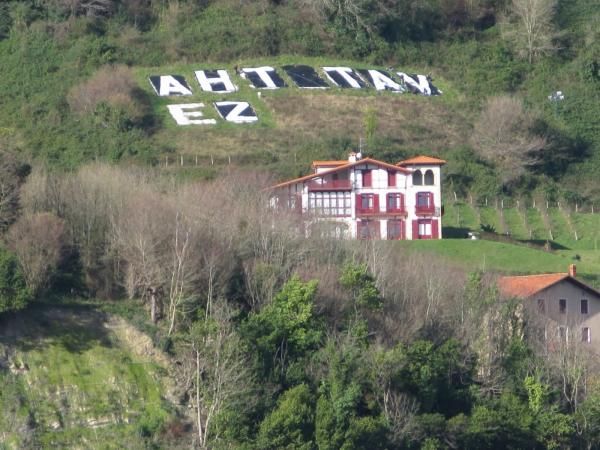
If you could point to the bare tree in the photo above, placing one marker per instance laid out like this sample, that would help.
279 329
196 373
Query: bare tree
220 371
503 135
530 27
38 240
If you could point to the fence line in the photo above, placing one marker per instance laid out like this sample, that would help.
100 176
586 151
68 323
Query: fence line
520 203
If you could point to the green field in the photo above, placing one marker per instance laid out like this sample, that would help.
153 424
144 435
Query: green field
509 258
522 251
72 377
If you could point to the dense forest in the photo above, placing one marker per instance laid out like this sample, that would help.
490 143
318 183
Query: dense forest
271 340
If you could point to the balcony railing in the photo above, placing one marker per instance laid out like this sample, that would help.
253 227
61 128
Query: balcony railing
425 210
366 211
330 185
401 211
380 212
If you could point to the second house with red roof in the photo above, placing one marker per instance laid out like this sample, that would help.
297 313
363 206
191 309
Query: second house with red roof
367 199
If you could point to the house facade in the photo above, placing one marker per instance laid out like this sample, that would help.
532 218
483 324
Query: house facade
367 199
567 308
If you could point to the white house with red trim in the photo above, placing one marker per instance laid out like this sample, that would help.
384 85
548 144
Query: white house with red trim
367 199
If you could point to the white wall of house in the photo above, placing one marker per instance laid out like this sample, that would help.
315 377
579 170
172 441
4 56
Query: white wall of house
572 320
379 188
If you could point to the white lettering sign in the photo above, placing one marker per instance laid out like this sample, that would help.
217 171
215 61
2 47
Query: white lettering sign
183 115
215 81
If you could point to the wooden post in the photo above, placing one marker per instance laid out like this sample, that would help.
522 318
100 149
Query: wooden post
534 203
455 199
166 161
212 160
229 158
502 203
486 201
576 207
181 158
196 159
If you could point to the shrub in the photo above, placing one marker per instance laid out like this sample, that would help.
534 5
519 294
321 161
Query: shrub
14 294
114 86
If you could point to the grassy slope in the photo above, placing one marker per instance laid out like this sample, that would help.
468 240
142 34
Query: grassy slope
298 125
509 258
84 387
461 217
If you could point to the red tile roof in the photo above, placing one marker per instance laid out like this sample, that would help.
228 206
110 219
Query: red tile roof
334 163
422 159
528 285
347 165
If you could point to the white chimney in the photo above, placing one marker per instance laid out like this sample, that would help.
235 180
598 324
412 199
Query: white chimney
572 270
352 157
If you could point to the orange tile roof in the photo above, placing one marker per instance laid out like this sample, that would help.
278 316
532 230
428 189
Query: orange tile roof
332 163
528 285
347 165
422 159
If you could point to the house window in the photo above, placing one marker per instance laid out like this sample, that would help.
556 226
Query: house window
562 333
328 229
367 178
391 178
395 230
429 179
330 203
417 178
562 306
395 202
541 306
586 335
424 228
367 203
424 203
368 229
584 306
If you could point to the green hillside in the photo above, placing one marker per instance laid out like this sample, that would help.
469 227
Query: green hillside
63 105
77 377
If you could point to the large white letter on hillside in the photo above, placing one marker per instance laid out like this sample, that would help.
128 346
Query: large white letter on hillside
382 82
236 112
343 77
262 77
215 81
184 117
167 85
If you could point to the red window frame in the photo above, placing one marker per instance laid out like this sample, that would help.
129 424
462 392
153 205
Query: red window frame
368 230
424 203
371 206
394 202
391 178
434 229
395 230
367 178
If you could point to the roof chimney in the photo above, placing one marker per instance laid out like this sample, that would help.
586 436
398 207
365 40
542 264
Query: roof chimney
352 157
572 270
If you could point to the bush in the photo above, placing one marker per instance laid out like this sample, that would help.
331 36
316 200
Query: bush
14 294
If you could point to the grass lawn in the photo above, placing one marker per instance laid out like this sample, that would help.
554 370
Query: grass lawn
509 258
79 385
